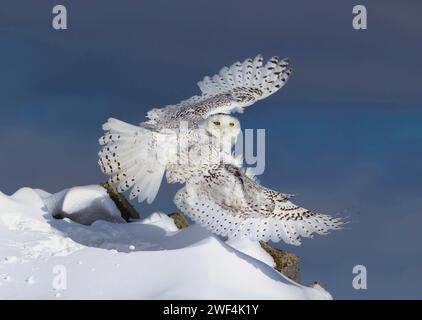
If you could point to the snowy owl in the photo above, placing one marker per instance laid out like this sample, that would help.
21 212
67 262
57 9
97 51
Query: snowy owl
136 157
192 142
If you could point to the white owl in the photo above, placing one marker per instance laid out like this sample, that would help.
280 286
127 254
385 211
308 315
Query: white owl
192 141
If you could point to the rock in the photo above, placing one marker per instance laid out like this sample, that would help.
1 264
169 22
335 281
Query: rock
126 209
286 262
179 220
316 283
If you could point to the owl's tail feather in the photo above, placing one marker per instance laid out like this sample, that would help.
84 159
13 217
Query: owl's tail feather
135 158
252 74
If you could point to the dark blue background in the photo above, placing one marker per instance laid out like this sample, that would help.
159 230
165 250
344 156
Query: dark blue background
345 134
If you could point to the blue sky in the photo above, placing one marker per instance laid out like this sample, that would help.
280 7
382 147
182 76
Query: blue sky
345 134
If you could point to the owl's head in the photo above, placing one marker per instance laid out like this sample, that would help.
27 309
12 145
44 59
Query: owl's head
223 127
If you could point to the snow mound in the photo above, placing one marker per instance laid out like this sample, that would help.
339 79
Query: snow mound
88 255
84 205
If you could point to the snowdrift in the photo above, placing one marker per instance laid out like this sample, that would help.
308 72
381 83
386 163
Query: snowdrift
93 254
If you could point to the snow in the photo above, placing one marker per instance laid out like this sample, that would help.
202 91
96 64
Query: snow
252 249
84 205
93 254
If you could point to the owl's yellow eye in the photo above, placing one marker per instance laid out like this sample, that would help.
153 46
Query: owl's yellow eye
231 124
217 123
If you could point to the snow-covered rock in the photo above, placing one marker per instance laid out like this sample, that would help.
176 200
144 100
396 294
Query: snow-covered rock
84 205
45 258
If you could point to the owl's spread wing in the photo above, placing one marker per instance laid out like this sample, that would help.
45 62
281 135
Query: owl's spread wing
136 158
231 204
232 89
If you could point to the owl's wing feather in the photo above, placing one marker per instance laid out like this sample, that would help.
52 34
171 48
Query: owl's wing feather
232 89
265 79
231 204
135 158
